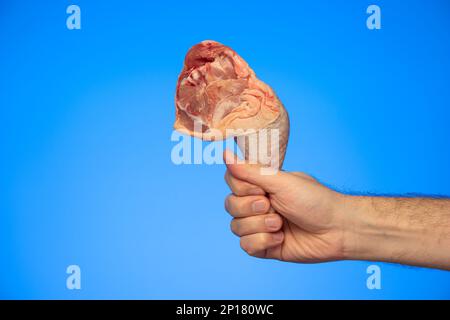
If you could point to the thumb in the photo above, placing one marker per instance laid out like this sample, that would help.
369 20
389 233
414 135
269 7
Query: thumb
271 181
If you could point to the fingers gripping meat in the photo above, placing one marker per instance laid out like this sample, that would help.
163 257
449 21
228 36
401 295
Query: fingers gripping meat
218 95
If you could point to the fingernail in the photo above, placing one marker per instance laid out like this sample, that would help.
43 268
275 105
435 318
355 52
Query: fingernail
271 222
278 237
259 206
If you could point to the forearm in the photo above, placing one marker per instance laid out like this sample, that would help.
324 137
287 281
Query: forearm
414 231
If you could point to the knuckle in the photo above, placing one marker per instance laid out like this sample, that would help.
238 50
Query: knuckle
234 185
227 203
240 206
234 226
263 239
303 175
251 246
245 245
233 205
238 190
227 180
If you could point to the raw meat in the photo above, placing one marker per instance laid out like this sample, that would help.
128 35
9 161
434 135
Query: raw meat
218 91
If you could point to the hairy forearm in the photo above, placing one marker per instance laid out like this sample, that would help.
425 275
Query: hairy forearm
414 231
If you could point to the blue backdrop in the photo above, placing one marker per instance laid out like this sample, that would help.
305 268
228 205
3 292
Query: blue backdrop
86 117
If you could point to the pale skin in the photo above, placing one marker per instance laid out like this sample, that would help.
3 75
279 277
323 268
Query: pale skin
290 216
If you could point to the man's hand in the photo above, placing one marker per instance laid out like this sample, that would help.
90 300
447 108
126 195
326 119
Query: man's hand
285 216
292 217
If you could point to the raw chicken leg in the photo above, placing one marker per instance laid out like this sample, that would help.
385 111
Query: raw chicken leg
218 95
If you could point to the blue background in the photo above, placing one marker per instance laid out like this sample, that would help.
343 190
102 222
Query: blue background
86 118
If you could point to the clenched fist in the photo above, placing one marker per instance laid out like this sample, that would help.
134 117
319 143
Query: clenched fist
285 216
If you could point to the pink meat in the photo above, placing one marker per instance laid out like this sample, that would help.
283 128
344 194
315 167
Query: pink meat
218 90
